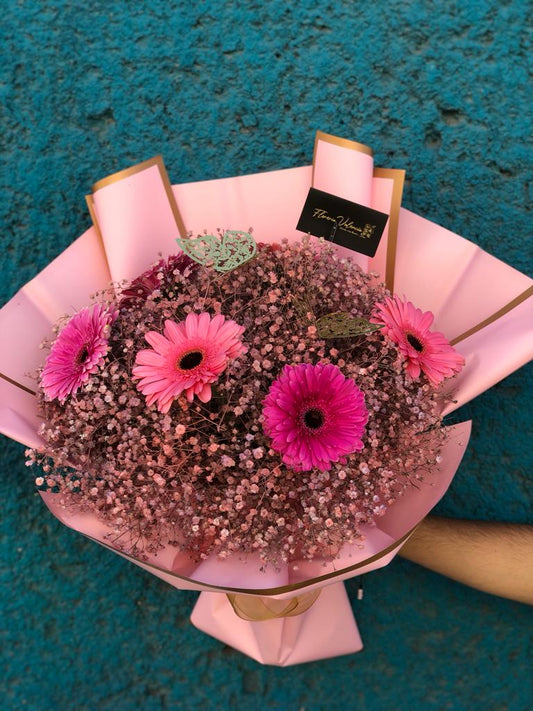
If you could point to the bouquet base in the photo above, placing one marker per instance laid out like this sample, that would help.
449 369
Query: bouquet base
327 629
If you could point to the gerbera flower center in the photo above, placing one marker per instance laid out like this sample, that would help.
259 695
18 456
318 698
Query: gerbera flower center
82 355
413 340
190 360
313 418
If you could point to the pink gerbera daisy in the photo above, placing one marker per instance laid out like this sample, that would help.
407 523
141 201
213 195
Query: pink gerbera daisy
422 349
188 358
314 416
78 352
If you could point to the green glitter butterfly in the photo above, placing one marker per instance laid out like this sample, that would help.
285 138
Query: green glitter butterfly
223 253
342 325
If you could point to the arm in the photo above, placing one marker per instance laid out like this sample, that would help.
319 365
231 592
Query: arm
494 557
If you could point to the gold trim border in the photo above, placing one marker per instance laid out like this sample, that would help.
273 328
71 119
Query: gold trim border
264 592
495 316
92 212
398 177
18 385
343 142
133 170
126 173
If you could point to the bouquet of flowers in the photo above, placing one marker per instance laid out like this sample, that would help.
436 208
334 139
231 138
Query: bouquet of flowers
255 412
279 406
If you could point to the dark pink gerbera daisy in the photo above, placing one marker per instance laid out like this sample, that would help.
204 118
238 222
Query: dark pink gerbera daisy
140 288
314 416
423 350
188 358
78 352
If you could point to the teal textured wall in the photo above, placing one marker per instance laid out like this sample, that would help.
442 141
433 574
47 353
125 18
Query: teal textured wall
220 89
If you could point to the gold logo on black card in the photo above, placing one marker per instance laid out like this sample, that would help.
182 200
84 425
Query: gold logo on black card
345 224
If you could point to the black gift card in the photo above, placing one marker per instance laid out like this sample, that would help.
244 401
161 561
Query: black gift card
342 222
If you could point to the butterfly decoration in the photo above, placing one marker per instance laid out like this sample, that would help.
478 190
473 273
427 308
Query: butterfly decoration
224 253
342 325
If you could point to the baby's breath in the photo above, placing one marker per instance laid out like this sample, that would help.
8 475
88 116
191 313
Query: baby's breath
204 477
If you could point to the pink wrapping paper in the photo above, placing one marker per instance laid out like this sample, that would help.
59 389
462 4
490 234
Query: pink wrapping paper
137 215
328 626
60 289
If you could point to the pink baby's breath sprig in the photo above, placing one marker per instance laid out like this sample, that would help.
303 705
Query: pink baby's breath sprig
240 430
137 291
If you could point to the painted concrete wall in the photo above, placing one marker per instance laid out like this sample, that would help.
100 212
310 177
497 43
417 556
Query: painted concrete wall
220 89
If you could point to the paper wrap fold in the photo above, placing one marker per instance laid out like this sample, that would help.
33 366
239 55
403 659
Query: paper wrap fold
480 303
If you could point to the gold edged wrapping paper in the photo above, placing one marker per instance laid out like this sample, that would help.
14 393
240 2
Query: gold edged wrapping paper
260 609
262 592
342 142
398 178
127 173
92 212
528 293
18 385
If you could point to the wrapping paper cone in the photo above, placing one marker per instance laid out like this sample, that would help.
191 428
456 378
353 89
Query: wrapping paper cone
135 208
328 626
479 302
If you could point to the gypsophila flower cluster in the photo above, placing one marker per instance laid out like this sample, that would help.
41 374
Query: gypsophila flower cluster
212 422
